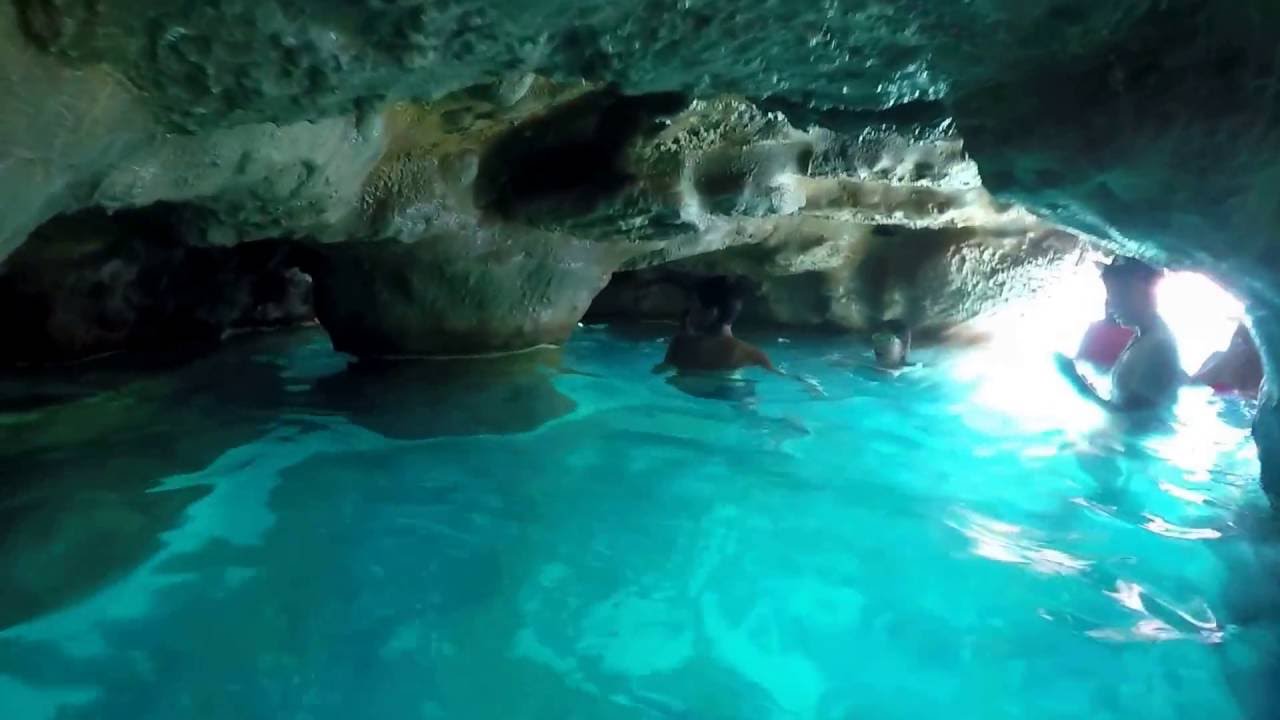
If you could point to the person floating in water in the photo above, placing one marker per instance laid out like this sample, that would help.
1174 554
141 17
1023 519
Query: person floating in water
1236 370
712 348
1148 373
890 350
891 345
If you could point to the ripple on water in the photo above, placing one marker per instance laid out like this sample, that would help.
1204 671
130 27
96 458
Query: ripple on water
573 537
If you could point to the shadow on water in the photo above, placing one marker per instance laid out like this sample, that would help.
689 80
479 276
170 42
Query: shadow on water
76 511
84 448
417 399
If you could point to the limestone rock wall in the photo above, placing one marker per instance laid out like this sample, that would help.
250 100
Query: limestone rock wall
1149 123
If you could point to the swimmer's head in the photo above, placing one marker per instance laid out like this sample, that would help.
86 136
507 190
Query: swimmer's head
722 297
716 291
891 344
727 314
1131 290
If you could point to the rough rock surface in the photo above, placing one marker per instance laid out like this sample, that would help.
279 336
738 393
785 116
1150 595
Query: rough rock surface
1150 123
842 275
486 221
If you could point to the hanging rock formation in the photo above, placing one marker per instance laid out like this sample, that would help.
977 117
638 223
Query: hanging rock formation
1148 123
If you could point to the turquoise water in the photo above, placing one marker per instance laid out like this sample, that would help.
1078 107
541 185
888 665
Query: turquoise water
273 532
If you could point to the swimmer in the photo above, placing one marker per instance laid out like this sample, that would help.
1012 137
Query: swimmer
714 351
891 344
1147 374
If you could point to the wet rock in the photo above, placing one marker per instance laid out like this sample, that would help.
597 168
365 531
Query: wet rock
571 159
840 274
457 293
1144 123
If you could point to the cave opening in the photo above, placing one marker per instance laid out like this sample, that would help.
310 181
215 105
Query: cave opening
486 488
96 283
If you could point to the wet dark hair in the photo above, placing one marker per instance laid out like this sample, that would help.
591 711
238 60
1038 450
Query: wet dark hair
897 328
1127 268
686 321
717 291
723 295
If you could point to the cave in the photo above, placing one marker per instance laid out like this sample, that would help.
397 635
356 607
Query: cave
636 359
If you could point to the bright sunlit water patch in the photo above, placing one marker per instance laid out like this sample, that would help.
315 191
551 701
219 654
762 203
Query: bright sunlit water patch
275 533
1025 335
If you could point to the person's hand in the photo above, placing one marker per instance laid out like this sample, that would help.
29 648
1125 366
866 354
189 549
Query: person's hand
1066 366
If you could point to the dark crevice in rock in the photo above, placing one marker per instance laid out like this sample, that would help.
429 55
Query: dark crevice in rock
570 160
934 279
93 283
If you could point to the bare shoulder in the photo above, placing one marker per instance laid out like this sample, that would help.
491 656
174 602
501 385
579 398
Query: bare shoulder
748 354
1155 349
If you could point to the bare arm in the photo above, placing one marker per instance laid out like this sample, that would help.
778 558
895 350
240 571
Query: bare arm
762 360
1123 399
1068 368
758 357
667 365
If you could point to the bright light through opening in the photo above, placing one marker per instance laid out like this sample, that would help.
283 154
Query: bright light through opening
1015 371
1201 315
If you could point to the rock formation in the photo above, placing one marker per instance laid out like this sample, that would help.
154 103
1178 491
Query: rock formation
465 176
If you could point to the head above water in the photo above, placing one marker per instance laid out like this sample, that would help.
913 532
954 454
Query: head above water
1131 290
891 344
722 296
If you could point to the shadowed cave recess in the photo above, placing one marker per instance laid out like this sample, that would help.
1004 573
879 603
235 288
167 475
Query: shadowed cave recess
436 197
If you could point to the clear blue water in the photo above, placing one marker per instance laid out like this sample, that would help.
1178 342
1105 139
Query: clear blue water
272 533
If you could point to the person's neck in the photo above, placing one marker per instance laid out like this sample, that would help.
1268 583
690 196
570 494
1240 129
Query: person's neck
724 331
1146 321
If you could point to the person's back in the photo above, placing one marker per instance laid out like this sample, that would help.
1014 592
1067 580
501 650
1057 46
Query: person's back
1149 372
713 353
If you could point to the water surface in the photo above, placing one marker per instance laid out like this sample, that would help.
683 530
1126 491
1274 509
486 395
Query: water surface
276 532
